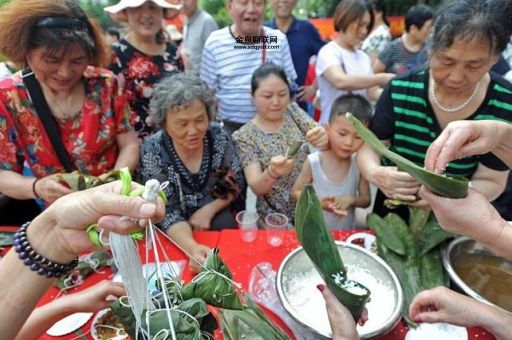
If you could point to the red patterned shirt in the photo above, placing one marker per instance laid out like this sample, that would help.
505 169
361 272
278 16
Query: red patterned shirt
89 137
141 72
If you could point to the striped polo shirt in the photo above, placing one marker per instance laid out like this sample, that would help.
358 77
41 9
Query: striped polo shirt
404 116
227 67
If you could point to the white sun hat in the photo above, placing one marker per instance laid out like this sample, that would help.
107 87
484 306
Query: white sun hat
117 9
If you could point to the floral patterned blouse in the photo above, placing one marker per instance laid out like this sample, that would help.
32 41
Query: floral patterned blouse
89 137
141 72
257 146
219 175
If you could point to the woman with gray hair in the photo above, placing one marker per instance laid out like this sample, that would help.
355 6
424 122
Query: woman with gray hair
198 159
414 108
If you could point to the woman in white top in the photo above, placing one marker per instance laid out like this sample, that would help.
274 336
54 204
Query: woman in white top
341 66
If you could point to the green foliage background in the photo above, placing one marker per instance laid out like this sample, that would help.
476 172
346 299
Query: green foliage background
217 8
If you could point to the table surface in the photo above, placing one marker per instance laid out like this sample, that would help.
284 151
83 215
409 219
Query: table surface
241 258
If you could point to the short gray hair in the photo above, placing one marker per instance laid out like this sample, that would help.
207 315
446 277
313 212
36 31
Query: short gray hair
179 90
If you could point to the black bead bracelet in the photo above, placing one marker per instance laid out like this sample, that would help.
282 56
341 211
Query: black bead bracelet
36 261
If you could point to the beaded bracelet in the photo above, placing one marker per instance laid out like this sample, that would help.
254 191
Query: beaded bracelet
36 261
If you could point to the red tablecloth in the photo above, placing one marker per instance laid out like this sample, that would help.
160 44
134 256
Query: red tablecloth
240 257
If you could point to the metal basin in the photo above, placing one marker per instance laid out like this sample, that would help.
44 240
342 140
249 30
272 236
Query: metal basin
473 255
296 286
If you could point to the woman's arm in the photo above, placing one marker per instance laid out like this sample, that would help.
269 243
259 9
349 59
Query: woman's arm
488 182
468 138
15 185
363 199
59 235
21 187
472 216
305 177
128 151
374 93
441 304
202 218
261 182
392 182
181 233
92 299
351 82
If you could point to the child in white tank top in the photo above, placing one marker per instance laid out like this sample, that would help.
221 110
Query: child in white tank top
334 172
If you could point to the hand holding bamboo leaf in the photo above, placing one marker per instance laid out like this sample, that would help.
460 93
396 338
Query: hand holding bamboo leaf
280 166
454 187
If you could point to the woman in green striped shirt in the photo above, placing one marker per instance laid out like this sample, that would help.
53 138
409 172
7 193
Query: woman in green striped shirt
414 108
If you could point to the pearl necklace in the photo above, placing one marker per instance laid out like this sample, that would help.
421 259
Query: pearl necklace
453 109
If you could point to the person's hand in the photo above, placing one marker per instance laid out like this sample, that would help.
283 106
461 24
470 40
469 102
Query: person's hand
396 184
384 78
465 216
95 297
306 92
280 166
317 137
50 188
198 253
461 139
342 323
337 205
202 218
59 232
441 304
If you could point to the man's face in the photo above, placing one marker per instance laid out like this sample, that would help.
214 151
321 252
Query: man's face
283 8
189 7
247 16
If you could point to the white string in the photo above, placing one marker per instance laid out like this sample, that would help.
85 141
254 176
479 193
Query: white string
160 278
126 257
151 190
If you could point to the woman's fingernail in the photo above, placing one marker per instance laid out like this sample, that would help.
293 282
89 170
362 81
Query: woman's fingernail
417 319
320 287
147 209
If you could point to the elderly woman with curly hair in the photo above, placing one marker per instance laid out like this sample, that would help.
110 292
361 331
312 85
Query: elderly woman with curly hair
197 157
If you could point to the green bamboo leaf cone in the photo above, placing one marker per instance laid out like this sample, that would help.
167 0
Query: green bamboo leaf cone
315 237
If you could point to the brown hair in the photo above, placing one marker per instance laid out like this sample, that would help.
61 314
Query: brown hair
21 30
349 11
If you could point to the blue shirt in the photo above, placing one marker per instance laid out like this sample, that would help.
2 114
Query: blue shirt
304 41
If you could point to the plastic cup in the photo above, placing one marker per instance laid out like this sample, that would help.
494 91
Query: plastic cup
247 224
276 224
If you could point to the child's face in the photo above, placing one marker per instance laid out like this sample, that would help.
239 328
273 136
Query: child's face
343 137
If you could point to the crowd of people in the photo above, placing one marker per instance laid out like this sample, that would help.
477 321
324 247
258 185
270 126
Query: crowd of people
217 116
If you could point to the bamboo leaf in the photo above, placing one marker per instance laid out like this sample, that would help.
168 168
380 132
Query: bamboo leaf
250 323
452 187
213 288
319 245
432 235
417 220
387 237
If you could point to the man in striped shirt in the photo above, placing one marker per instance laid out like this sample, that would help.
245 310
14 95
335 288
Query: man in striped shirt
231 54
